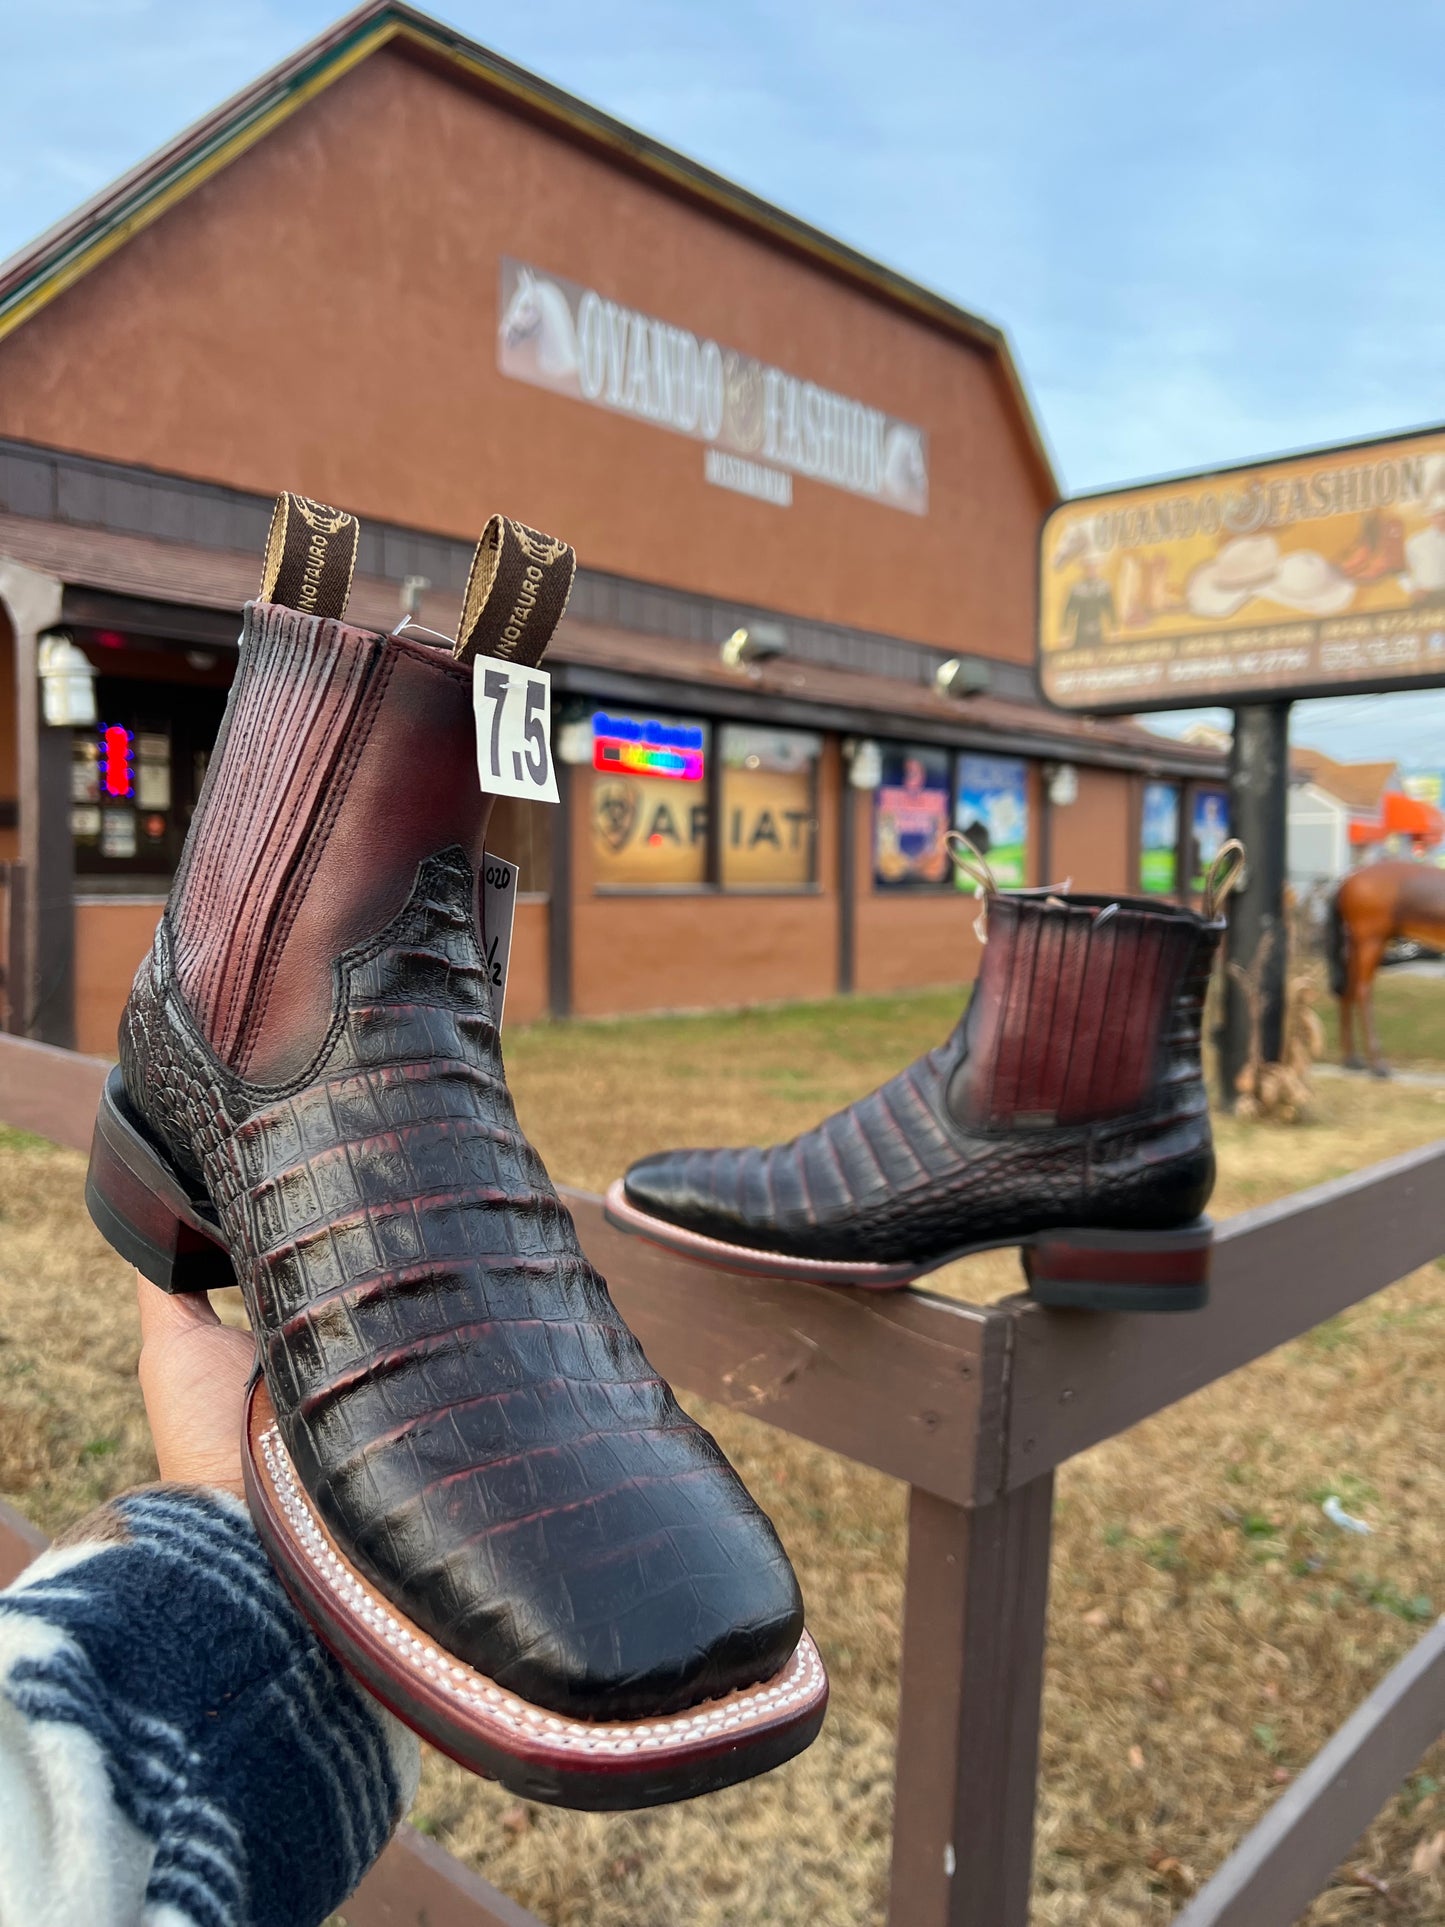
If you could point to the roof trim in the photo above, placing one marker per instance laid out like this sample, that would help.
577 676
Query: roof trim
56 260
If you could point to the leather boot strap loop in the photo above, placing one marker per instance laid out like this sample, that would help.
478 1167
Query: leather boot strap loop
517 592
971 862
1222 878
310 557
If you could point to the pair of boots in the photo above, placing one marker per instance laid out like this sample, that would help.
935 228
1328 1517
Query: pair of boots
468 1475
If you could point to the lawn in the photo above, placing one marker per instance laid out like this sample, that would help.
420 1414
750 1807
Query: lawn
1209 1627
1410 1017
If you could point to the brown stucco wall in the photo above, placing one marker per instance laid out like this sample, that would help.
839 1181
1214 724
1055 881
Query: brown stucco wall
650 951
110 940
527 966
322 315
1094 837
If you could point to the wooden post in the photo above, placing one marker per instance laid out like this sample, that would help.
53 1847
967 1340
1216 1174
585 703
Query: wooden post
1258 804
559 900
847 877
968 1726
42 998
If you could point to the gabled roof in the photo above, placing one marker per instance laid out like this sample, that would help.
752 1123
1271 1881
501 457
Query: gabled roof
1359 786
60 257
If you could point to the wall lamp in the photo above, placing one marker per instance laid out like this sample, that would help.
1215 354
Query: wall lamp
962 677
759 642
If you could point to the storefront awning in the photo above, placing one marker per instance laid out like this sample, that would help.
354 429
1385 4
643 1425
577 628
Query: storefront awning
191 595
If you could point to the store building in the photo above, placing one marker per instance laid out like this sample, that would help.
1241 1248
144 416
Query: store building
401 275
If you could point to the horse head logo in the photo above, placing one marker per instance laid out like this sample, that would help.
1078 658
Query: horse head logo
614 814
537 335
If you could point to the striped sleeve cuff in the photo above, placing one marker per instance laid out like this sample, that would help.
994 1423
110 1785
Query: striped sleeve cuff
170 1727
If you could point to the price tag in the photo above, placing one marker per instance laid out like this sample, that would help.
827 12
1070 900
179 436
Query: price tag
499 908
513 705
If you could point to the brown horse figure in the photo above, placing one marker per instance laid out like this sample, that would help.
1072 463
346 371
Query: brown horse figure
1372 906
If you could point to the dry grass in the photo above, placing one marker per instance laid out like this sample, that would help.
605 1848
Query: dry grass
1208 1627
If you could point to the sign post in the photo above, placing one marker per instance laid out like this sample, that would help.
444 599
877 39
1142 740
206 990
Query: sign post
1317 574
1257 938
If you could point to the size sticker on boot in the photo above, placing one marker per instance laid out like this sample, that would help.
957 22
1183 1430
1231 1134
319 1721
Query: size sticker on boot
514 730
499 909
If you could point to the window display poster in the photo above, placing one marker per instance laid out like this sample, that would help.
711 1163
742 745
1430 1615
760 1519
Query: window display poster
991 808
1210 832
910 819
1159 842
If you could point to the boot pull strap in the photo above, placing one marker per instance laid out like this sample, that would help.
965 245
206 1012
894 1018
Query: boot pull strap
971 862
516 593
310 557
1223 878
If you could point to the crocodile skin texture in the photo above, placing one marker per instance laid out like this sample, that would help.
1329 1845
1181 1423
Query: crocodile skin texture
1033 1116
468 1411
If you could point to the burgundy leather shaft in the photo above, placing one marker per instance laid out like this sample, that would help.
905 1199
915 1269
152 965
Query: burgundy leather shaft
1068 1012
347 758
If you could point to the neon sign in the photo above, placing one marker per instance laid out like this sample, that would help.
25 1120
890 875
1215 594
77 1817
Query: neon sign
622 746
116 768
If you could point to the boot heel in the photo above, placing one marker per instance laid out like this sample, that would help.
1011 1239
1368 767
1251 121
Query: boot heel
143 1207
1121 1270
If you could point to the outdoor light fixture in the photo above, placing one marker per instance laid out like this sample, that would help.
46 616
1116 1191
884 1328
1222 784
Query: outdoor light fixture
1063 782
760 642
575 738
67 682
961 677
865 763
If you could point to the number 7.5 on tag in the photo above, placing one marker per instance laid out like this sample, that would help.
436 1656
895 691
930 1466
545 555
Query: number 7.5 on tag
513 707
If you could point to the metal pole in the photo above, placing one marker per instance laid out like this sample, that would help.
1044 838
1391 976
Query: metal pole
1258 794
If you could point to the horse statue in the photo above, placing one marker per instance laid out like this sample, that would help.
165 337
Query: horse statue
1370 908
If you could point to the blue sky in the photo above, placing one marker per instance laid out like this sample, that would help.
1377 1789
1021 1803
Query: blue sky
1211 232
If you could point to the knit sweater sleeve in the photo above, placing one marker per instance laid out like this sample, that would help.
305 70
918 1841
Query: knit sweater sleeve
176 1748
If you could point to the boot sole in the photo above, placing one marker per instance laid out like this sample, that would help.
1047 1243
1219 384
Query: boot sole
1071 1269
158 1222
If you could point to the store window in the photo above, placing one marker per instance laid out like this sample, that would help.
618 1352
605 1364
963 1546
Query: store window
769 808
910 818
135 778
991 808
1159 840
1208 833
649 800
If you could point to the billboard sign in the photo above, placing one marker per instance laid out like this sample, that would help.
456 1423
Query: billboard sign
1313 575
760 426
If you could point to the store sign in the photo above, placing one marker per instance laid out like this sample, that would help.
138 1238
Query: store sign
761 425
627 745
1310 576
991 808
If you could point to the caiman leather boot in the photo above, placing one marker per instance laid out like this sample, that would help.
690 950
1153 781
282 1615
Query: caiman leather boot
1066 1114
474 1484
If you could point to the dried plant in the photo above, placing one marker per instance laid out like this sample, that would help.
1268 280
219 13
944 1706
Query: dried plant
1281 1090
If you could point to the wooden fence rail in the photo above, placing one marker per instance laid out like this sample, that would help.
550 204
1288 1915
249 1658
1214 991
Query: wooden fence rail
974 1407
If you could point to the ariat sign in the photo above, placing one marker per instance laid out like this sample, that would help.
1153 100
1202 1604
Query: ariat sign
578 342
